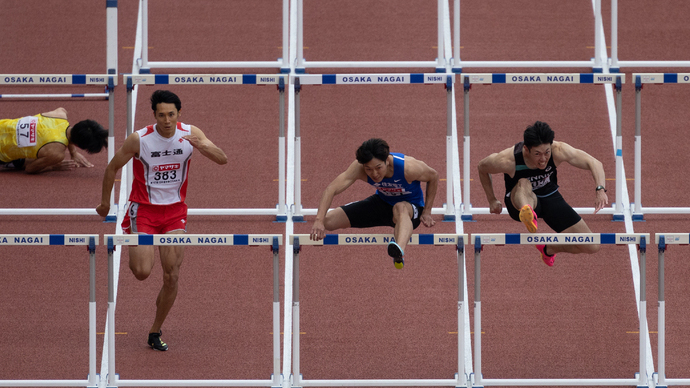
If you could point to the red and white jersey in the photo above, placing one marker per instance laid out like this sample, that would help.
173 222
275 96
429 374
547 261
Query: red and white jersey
160 171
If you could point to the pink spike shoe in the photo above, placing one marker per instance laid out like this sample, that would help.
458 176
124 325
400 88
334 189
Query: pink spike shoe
529 218
548 260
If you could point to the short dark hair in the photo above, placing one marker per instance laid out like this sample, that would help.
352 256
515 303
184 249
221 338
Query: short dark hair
89 136
165 96
372 148
537 134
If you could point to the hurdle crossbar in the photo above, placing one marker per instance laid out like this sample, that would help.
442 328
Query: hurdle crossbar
273 240
663 240
278 80
468 80
146 65
640 80
458 240
91 241
109 81
481 239
446 79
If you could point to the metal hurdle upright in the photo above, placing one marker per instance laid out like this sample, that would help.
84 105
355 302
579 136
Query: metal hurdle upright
543 78
640 80
221 79
447 80
663 240
272 240
78 80
90 241
300 240
146 65
481 239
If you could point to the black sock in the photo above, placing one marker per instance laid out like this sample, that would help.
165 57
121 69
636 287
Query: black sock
545 251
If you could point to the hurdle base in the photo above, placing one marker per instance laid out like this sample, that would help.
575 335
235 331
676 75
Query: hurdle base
98 378
618 218
638 217
298 219
655 378
448 218
145 70
614 70
110 218
457 70
467 218
281 219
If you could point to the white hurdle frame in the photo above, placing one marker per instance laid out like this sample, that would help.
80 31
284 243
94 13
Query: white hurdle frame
447 79
481 239
459 240
272 240
663 240
80 80
146 65
91 241
301 63
279 80
543 78
640 80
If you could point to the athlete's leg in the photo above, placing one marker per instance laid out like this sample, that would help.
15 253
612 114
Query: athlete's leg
141 259
171 260
579 227
402 217
336 219
522 194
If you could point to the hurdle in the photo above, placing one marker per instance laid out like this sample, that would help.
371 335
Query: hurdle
221 79
640 80
481 239
272 240
448 210
146 65
77 80
299 240
543 78
663 240
90 241
596 63
439 64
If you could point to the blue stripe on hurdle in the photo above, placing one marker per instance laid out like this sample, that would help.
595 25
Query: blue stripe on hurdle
249 79
586 78
56 239
426 239
328 79
607 238
499 78
78 79
330 239
512 238
416 78
240 239
670 78
145 239
619 152
161 79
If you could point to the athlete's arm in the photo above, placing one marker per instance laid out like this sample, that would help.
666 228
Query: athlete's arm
563 152
49 158
129 149
59 113
417 170
199 141
354 172
498 163
77 158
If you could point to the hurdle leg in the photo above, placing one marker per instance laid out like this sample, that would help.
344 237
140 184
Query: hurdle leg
450 208
643 314
661 318
282 212
637 212
276 313
93 376
477 315
297 377
462 375
112 377
467 207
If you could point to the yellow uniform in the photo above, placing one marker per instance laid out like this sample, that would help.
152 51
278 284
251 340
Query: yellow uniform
22 138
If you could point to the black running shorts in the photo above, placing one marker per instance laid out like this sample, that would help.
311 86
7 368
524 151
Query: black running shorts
552 209
374 211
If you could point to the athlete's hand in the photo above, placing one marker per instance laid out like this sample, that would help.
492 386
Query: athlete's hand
600 201
103 210
65 165
193 140
427 220
495 207
80 160
318 231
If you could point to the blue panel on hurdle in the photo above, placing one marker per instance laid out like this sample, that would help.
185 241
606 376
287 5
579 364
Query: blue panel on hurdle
111 3
586 78
512 238
670 78
78 79
416 78
161 79
328 79
249 79
145 239
240 239
619 152
498 78
330 239
77 95
607 238
426 239
57 239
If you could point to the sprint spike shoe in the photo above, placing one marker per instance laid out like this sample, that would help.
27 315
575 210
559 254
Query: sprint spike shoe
548 260
155 341
396 253
529 218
